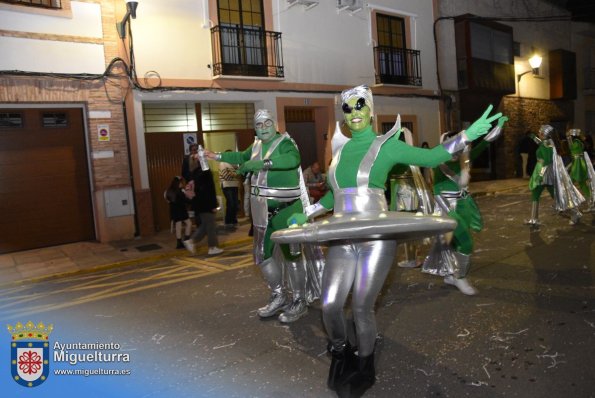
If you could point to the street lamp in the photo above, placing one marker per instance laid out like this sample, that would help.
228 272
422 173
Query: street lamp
130 12
535 63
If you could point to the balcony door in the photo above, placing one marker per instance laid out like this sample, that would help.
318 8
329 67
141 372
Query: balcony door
243 37
392 52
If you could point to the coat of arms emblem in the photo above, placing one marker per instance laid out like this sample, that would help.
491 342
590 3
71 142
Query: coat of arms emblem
29 353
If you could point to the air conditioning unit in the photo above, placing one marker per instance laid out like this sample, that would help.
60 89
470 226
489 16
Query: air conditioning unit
350 5
306 3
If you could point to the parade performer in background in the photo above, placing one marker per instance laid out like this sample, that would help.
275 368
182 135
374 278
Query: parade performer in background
357 177
274 161
450 255
581 168
409 192
550 174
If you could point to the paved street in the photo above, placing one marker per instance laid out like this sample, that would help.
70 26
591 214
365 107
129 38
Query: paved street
190 327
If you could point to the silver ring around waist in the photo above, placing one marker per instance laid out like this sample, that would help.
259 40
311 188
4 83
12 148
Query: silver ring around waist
280 194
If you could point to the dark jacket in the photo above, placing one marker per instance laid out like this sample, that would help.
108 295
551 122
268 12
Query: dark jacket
205 200
177 205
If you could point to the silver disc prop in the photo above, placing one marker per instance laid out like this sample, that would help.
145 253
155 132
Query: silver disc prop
367 225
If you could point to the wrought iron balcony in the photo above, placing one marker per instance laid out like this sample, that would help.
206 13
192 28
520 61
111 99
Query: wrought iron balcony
246 51
55 4
397 66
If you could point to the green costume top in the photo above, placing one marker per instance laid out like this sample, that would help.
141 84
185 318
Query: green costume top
285 158
391 153
465 211
545 158
578 168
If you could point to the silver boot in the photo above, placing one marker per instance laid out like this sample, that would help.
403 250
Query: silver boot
296 310
534 220
278 302
459 279
575 216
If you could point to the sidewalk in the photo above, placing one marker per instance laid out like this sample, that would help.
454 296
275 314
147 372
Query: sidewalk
82 257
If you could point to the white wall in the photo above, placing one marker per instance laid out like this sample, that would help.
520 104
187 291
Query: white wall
320 45
172 39
51 55
85 21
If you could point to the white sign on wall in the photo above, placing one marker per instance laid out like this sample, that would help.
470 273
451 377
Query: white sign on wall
189 139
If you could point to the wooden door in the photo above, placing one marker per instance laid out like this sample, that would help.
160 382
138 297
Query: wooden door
45 195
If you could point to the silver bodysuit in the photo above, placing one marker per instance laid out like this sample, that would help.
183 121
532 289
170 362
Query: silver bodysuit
359 266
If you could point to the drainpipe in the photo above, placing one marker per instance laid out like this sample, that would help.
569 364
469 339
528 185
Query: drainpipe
131 174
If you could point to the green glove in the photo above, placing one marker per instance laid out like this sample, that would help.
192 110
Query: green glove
251 166
502 120
297 219
482 125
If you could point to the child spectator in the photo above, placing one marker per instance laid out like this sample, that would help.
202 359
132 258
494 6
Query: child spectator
177 209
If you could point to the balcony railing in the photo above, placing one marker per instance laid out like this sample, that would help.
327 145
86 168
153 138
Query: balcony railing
397 66
55 4
246 51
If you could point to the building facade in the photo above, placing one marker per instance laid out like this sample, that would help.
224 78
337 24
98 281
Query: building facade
176 72
483 58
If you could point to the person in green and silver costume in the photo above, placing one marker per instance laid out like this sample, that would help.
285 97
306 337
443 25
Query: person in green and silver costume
581 169
357 177
550 174
451 181
273 161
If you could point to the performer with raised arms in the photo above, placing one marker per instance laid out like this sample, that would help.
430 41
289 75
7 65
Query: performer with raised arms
357 176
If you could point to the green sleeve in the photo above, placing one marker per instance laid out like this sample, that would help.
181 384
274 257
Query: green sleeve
400 152
237 157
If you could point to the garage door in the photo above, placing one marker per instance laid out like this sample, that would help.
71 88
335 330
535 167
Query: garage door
45 198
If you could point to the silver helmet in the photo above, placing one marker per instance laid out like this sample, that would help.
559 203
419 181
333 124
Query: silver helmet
546 130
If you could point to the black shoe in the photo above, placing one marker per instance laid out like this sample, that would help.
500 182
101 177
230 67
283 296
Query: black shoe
342 362
363 378
179 245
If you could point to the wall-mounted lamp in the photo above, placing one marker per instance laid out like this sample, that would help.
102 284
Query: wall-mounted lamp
130 12
535 63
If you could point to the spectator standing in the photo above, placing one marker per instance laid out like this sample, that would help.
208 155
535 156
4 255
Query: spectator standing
230 185
189 165
205 206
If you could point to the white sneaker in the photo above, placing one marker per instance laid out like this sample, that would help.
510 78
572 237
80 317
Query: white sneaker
189 245
462 284
214 250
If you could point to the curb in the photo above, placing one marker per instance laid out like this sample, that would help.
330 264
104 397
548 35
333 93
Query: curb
121 264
